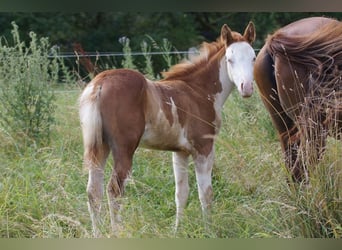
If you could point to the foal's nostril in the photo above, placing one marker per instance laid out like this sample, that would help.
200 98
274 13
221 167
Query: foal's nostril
241 86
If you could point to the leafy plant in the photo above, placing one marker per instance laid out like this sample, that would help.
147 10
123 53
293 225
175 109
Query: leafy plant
146 50
128 59
27 101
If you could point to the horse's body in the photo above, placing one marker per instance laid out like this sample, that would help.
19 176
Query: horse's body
121 109
298 73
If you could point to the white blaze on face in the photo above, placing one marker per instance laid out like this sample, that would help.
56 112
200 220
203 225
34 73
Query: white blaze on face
240 58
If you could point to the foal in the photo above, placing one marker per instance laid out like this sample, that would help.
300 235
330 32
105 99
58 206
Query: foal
120 110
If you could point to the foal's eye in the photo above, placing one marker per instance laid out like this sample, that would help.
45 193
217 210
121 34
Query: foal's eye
253 60
230 60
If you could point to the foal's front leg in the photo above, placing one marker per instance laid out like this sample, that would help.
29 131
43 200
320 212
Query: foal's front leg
203 167
180 169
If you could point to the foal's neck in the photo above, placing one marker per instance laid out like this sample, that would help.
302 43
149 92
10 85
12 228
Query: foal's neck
225 82
211 78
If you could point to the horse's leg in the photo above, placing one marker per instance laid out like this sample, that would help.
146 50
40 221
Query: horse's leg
203 167
304 152
124 141
286 128
180 169
123 157
290 144
95 161
313 138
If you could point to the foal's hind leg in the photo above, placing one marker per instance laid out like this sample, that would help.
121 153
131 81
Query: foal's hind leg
122 168
95 161
124 140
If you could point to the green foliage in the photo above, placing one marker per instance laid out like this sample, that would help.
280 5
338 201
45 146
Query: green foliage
100 31
127 62
27 101
42 191
165 59
166 48
146 50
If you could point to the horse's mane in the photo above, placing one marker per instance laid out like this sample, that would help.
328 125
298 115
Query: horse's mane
187 67
320 52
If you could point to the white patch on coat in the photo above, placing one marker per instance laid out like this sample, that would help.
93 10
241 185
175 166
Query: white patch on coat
203 166
160 134
180 168
220 98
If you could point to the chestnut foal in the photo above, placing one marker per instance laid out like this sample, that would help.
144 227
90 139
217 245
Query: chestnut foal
120 110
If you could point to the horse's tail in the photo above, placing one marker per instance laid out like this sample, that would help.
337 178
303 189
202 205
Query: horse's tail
91 123
320 54
316 50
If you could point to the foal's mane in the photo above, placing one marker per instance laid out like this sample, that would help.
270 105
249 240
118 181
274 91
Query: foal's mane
187 67
318 51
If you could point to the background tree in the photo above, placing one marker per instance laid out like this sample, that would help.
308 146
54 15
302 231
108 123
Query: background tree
101 31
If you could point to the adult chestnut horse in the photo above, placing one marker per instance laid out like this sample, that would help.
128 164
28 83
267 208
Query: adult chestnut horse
298 73
120 109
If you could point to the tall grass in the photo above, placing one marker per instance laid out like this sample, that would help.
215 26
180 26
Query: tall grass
42 191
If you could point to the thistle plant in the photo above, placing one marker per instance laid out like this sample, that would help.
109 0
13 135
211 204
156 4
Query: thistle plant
128 59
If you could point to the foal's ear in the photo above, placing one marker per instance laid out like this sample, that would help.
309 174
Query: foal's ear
226 34
249 33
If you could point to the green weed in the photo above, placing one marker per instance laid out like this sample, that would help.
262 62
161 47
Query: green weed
27 102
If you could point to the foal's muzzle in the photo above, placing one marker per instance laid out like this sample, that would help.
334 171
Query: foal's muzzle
246 90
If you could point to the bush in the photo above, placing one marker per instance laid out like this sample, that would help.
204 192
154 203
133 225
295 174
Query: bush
27 101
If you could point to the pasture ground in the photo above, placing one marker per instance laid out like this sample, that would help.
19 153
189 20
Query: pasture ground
42 190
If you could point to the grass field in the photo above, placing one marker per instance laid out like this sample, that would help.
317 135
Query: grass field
42 190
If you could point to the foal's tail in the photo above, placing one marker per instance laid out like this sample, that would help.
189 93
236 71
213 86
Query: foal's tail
91 123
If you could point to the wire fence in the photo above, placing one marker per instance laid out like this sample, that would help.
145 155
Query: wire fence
119 54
